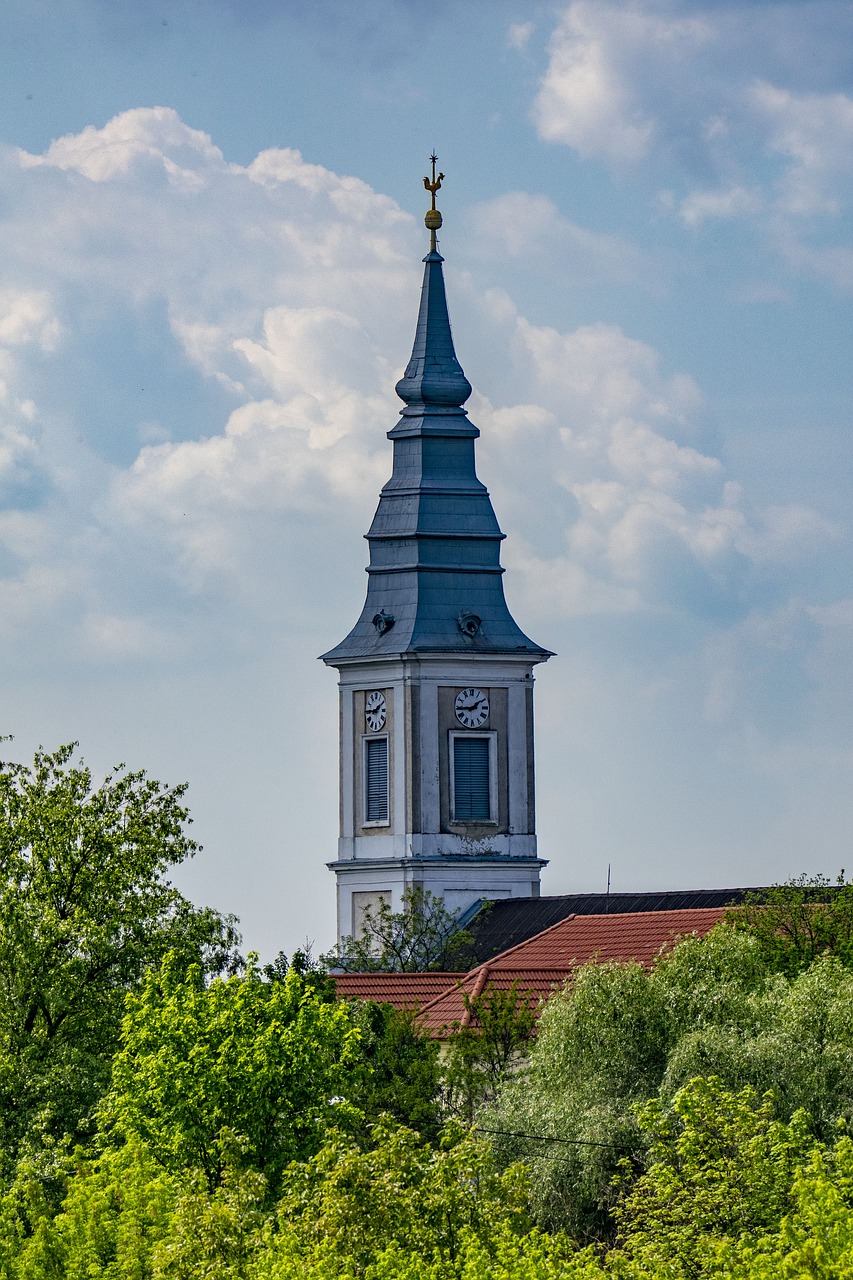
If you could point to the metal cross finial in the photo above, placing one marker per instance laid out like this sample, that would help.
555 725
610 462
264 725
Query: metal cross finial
433 217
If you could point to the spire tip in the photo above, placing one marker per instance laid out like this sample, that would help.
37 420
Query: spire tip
432 218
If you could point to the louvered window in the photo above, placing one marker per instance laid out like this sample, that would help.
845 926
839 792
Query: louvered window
471 782
376 779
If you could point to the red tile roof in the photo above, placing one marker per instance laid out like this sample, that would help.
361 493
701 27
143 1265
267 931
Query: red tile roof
537 966
543 962
402 990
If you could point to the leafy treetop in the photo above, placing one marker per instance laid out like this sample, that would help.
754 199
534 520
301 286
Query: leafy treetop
85 910
422 936
796 922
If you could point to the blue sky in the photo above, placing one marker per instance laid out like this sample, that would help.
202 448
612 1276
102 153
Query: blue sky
211 219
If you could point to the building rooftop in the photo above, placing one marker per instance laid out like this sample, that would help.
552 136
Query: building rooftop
402 990
541 964
497 926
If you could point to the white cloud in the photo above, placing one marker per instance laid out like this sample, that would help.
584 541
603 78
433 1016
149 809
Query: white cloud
17 454
709 102
283 284
730 202
814 132
282 297
643 518
518 35
530 227
146 134
776 683
27 316
591 97
606 373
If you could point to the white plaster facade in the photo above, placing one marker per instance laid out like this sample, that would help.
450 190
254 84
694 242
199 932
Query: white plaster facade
421 843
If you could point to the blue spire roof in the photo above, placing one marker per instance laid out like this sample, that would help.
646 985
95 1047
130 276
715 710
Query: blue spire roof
433 375
435 578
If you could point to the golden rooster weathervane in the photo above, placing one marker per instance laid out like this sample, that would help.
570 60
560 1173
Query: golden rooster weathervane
432 218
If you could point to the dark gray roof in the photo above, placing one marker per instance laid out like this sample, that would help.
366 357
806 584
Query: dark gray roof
496 926
434 579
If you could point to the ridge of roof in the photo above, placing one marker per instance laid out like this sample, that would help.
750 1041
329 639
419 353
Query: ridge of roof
477 989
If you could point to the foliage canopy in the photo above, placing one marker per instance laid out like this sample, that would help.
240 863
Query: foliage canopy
798 922
273 1064
85 910
423 935
622 1035
168 1112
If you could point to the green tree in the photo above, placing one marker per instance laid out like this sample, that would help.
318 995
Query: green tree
85 910
118 1208
271 1063
601 1047
486 1046
796 922
621 1035
315 972
401 1208
347 1204
722 1167
400 1075
399 1072
424 935
815 1239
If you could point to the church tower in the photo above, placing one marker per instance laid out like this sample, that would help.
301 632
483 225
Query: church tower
436 678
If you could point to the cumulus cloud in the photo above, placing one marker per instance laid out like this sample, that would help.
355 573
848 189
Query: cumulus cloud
518 35
155 135
601 59
218 508
618 505
276 283
692 90
530 228
728 202
27 316
814 132
281 284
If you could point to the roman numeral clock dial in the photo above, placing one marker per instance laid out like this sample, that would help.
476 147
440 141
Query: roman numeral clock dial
472 708
374 710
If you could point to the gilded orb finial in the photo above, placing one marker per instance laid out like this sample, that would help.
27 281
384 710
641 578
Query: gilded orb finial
432 218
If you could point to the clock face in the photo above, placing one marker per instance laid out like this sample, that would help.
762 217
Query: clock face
374 710
472 708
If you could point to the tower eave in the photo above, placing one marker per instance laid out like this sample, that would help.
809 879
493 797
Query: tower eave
345 656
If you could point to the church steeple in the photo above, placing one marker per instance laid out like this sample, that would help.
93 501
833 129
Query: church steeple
436 676
435 575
